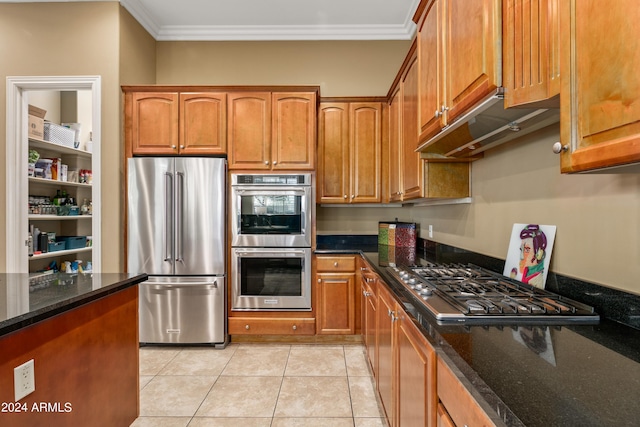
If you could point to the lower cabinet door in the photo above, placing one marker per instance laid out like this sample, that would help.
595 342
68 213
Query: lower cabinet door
384 337
417 399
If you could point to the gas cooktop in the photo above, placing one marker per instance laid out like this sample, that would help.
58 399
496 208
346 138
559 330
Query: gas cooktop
473 295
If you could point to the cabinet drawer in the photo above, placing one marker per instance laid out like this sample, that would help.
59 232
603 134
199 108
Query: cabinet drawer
463 409
336 263
271 326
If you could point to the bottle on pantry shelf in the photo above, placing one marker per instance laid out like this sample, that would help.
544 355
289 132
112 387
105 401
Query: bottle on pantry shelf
84 209
90 207
56 198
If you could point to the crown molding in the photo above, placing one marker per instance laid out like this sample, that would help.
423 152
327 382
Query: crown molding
159 32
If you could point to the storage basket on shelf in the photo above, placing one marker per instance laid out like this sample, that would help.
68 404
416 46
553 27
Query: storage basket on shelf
73 242
59 134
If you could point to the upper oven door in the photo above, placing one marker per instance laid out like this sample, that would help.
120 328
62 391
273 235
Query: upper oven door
271 216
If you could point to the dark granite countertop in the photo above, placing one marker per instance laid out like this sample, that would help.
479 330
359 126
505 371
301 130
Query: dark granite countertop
534 375
25 301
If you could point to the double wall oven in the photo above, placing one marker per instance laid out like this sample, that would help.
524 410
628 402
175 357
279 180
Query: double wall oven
271 241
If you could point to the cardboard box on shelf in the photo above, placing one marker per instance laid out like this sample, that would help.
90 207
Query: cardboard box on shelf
36 122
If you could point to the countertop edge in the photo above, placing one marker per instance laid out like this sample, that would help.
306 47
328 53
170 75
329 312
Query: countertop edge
22 321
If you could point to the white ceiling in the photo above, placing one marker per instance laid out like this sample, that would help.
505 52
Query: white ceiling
271 19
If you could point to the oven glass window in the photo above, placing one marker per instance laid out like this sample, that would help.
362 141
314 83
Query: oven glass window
271 276
271 214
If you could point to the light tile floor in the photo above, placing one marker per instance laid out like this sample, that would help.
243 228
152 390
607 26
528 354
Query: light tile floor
257 385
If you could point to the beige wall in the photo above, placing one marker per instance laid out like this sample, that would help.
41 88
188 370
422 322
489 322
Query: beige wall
340 68
71 39
597 214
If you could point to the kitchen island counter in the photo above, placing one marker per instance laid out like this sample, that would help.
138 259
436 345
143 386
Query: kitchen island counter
81 332
534 374
26 299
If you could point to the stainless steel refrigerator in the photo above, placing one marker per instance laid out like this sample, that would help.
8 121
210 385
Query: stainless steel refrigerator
177 235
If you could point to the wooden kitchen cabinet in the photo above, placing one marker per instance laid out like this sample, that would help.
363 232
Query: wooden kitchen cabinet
395 145
411 163
153 120
174 123
456 402
369 304
294 130
335 294
460 58
600 112
416 375
271 326
272 131
249 130
430 68
411 176
406 366
385 318
531 53
349 152
203 123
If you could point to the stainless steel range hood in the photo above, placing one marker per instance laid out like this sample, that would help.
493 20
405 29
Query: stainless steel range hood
485 126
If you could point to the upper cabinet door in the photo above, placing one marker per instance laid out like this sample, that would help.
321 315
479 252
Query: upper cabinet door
249 130
473 51
366 142
203 123
411 171
430 70
395 146
154 122
531 52
333 153
294 131
600 92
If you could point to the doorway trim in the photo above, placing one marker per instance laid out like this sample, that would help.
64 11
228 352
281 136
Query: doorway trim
17 148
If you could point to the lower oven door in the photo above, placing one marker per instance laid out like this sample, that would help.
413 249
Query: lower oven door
271 279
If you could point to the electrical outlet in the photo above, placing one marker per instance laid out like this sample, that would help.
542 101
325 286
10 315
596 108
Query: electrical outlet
430 230
24 381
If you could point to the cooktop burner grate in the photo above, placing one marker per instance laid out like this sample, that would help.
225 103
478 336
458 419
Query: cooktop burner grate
470 294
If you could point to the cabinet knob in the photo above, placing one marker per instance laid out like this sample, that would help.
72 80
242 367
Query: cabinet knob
319 280
182 146
352 196
266 162
335 264
173 146
246 327
369 279
366 294
295 327
275 162
559 148
438 113
345 196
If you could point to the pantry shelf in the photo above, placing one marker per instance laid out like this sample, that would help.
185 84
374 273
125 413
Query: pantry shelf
37 217
58 253
47 145
57 183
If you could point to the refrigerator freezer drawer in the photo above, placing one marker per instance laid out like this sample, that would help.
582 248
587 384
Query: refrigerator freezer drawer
191 311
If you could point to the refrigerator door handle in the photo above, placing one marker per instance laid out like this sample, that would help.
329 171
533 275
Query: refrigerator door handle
168 215
179 225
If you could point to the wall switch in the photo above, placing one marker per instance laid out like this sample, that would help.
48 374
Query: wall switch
430 230
24 382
